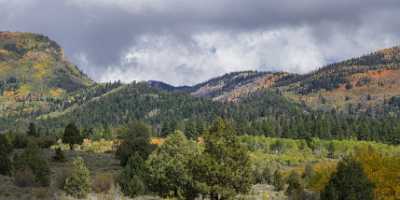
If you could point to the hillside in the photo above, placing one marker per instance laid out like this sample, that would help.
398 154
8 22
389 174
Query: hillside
364 82
34 71
38 84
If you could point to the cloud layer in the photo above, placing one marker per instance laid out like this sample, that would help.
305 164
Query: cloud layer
185 42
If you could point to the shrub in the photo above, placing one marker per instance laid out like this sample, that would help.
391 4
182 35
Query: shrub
41 193
32 131
278 180
24 177
45 142
102 183
61 177
295 190
169 170
223 169
5 164
77 184
266 175
59 155
5 144
135 140
5 151
32 158
20 141
131 177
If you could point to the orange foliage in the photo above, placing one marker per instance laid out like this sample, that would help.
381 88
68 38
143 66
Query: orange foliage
9 93
157 141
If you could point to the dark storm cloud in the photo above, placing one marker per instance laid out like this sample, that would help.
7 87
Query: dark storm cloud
181 41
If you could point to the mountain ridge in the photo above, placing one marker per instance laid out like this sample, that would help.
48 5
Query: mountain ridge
354 85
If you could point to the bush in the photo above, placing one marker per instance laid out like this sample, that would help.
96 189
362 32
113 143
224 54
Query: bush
102 183
45 142
5 164
24 177
77 184
5 151
266 175
131 177
295 190
59 155
5 145
32 159
278 180
20 141
135 140
61 177
169 170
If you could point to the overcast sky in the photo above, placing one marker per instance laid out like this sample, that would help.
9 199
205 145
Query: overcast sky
189 41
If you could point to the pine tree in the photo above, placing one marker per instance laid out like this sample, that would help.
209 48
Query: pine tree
349 183
223 169
77 184
135 139
72 135
32 159
32 131
169 170
131 179
278 180
295 190
5 151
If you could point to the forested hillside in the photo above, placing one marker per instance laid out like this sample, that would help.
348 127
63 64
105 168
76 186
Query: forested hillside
356 98
33 74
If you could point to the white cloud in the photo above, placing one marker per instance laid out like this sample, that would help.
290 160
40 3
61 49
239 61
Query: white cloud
208 54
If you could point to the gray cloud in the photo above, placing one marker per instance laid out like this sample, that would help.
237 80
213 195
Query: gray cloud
184 42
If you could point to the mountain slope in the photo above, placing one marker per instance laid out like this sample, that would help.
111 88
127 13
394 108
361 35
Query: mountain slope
364 82
33 71
28 59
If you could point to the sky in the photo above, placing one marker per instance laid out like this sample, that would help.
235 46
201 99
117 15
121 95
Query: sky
183 42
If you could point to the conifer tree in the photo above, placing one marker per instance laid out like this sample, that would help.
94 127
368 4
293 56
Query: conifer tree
77 184
349 183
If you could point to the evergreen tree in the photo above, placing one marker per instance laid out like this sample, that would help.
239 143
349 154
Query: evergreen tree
132 177
59 155
135 139
72 135
32 159
5 151
32 131
278 180
169 168
267 175
223 169
349 183
295 190
77 184
331 150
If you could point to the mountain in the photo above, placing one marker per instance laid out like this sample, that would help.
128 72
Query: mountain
231 87
34 71
38 84
364 82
